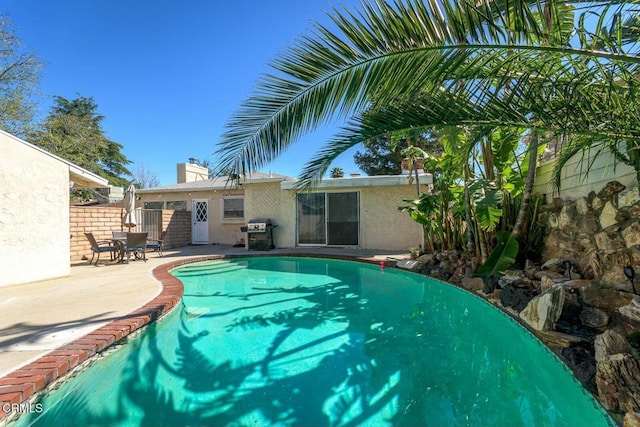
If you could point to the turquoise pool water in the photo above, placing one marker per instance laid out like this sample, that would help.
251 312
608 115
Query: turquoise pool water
272 341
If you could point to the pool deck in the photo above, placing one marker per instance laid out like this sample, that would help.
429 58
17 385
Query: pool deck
51 326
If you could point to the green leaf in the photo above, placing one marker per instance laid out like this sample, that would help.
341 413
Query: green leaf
487 199
421 209
502 256
420 65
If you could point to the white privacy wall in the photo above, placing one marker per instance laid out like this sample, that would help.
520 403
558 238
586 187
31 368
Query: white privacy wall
583 173
34 214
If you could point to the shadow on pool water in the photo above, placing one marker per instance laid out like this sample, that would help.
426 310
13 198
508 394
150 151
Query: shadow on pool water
283 341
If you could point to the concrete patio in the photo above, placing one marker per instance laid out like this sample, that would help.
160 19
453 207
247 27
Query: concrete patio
42 316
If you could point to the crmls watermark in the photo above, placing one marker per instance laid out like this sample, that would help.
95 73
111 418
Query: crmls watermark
22 408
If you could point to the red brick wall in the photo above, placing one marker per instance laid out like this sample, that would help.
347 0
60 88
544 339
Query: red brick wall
101 221
178 226
98 220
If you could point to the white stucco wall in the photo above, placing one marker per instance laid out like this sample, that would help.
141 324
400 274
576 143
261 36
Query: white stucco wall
223 232
382 226
576 182
34 214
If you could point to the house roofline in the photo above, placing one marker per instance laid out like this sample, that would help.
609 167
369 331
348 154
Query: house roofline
362 181
77 174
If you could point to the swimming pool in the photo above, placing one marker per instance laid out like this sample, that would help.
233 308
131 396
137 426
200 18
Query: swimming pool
313 342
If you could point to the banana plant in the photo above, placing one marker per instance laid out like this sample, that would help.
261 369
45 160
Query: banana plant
487 200
502 257
423 210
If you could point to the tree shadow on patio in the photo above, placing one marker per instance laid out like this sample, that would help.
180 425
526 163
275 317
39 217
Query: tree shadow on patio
30 334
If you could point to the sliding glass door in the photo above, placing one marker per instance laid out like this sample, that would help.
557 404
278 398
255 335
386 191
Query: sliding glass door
328 219
342 218
311 219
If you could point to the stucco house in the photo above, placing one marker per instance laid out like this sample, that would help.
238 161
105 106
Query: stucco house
355 211
34 211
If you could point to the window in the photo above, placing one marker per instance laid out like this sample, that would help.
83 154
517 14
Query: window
153 205
179 205
233 208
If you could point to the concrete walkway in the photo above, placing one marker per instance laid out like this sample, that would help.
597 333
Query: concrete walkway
39 317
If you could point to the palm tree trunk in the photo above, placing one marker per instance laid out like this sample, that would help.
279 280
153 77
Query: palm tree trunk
415 171
518 228
482 243
467 212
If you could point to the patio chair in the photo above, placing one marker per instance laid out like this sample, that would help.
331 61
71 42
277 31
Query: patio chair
136 244
156 244
98 247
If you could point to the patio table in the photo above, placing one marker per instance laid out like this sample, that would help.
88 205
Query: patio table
119 240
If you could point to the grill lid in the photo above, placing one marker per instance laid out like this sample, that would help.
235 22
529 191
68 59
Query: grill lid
259 225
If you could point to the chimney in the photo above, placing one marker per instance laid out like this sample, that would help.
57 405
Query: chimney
405 166
189 172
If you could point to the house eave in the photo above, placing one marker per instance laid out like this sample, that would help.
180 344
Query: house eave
362 181
80 177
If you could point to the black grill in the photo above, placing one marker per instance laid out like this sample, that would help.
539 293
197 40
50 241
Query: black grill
259 234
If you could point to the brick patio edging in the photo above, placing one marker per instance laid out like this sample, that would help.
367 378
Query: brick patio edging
22 384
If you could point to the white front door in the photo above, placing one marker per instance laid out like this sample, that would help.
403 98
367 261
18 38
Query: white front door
200 222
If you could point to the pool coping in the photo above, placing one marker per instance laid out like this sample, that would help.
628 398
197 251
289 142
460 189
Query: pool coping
19 387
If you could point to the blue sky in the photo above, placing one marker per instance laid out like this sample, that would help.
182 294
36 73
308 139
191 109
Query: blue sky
167 74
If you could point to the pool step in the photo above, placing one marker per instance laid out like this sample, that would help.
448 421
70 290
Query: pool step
208 269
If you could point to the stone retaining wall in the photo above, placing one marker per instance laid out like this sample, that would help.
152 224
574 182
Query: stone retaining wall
600 232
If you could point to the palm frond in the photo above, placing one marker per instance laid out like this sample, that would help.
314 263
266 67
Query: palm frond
485 55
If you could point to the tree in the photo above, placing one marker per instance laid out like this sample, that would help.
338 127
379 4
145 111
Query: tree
19 79
144 177
378 158
381 156
476 63
336 173
73 131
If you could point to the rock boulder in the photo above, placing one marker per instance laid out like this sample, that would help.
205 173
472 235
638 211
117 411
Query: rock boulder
594 318
608 215
618 381
632 310
543 311
517 298
473 284
617 373
604 298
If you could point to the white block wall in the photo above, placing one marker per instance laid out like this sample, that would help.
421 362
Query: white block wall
34 214
576 182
